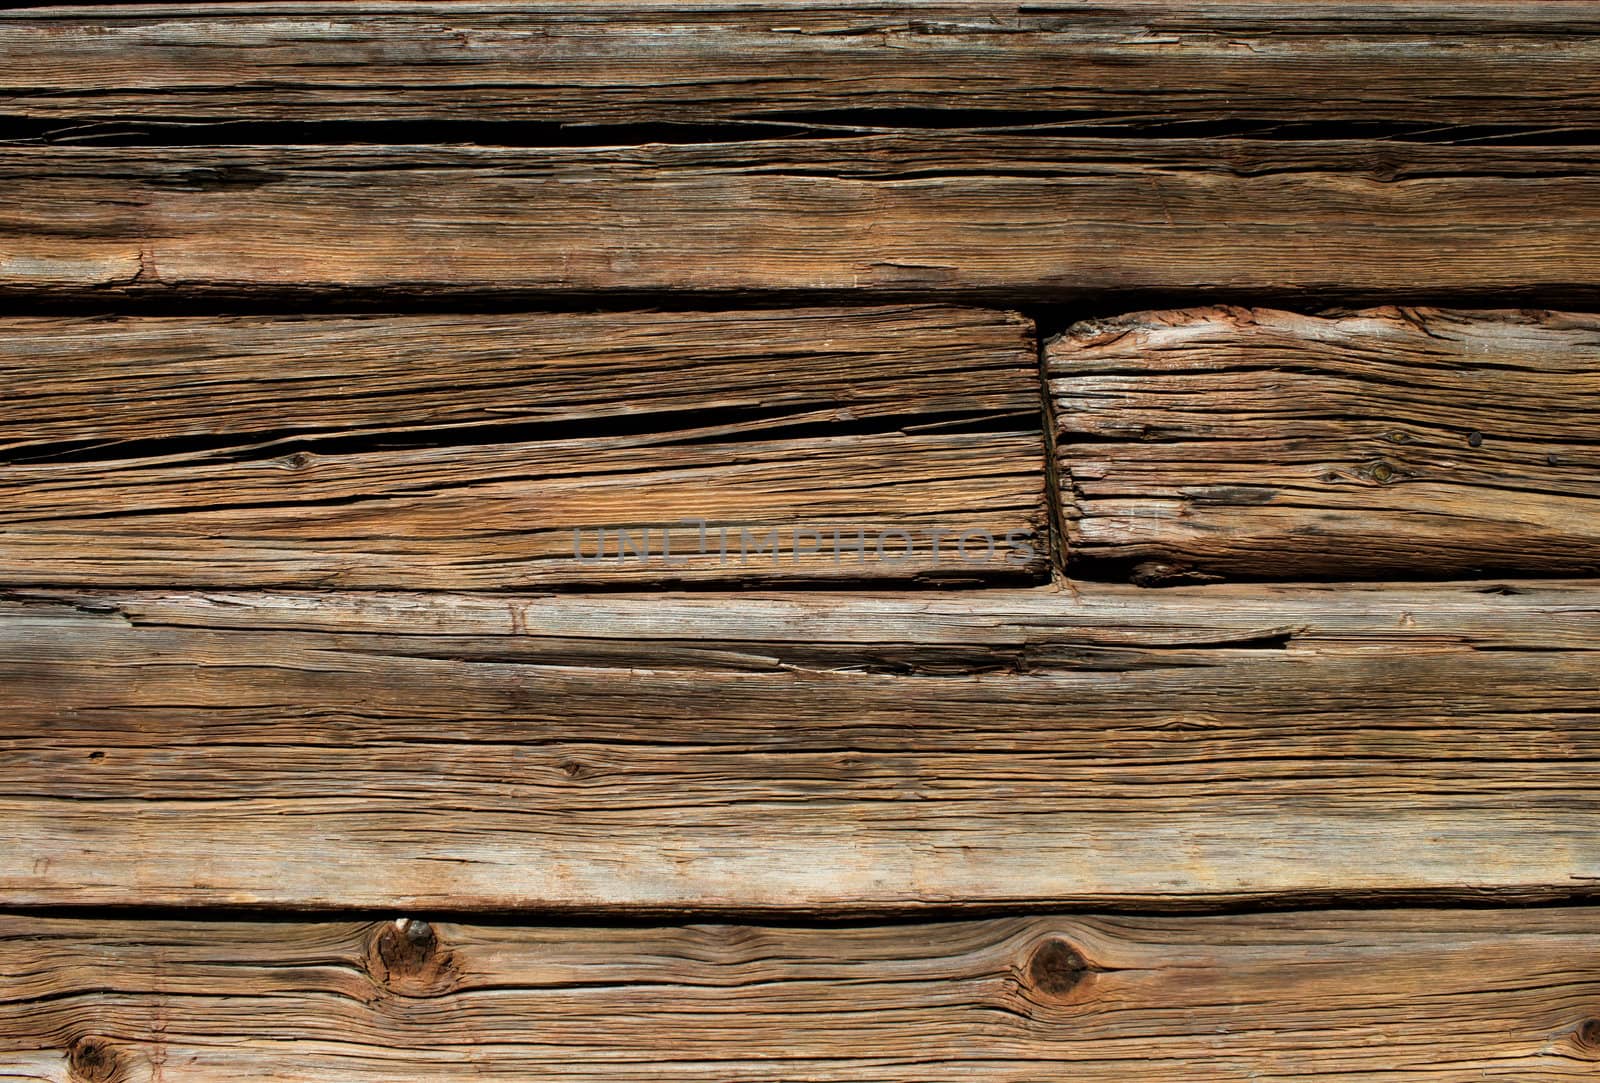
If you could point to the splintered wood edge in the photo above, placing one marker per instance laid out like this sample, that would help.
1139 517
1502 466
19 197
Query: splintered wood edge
1227 442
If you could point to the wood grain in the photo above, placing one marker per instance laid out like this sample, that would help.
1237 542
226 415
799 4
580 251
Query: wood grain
513 450
1391 442
1002 217
1419 995
575 60
799 750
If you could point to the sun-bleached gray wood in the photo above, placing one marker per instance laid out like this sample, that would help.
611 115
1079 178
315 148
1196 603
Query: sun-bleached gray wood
809 751
1131 61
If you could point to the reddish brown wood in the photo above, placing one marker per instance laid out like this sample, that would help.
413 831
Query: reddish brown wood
1010 218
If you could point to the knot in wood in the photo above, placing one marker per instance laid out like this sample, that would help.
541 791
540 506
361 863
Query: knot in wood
93 1060
406 958
1588 1038
1385 165
1056 967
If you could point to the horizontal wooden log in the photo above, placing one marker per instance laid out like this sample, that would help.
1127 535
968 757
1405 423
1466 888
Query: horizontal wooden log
574 60
799 750
1432 996
1010 217
1263 444
508 451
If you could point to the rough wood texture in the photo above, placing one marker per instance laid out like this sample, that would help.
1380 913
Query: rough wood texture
1011 217
1431 996
800 750
572 60
1263 444
505 451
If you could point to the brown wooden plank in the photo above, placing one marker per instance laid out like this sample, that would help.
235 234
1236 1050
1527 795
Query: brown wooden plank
577 60
1262 444
799 750
1435 996
1011 217
514 450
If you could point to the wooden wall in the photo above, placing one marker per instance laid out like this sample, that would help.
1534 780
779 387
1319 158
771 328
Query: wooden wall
762 540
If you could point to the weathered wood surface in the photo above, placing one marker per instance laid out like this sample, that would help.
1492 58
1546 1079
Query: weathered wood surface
800 750
513 450
574 60
1391 442
1009 217
1434 996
